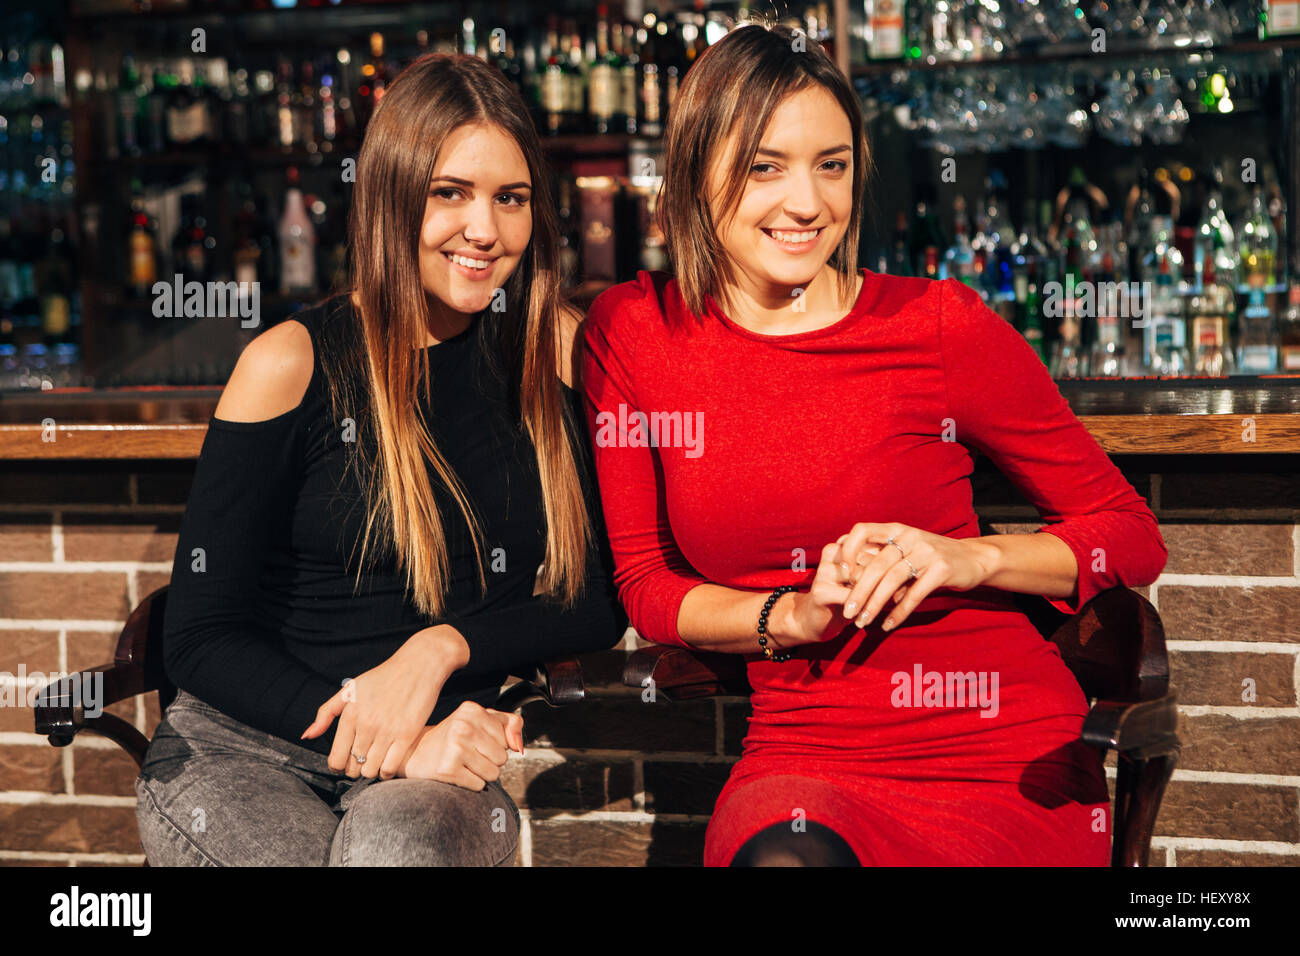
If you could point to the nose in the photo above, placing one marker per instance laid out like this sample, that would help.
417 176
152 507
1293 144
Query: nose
480 227
801 202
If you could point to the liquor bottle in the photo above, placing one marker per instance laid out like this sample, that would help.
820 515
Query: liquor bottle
286 120
128 108
925 237
1215 239
143 260
992 241
1211 314
574 66
570 239
650 95
191 246
54 286
248 252
264 124
1257 336
1257 249
900 260
186 110
326 127
1032 327
304 108
553 85
959 259
297 242
152 111
1166 349
625 52
602 79
1288 332
673 61
1107 357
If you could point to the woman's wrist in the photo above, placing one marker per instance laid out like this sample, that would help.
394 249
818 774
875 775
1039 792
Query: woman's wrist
781 630
444 649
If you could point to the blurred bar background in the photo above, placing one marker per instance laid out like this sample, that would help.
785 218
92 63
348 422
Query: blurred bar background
1020 146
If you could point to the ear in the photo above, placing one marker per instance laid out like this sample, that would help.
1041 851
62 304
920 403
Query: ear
569 359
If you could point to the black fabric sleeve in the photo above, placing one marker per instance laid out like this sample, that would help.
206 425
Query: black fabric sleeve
505 639
213 645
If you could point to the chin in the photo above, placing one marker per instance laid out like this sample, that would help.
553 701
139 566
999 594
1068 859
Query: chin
797 274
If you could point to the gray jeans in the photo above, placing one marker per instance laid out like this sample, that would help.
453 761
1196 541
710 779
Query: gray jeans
216 792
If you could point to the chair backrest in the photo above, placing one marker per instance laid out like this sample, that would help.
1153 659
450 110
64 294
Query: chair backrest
140 644
1115 646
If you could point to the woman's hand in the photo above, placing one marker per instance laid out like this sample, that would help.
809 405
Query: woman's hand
879 571
811 616
382 712
468 749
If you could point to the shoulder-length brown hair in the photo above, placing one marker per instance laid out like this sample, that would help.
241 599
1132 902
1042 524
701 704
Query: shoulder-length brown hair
377 369
734 87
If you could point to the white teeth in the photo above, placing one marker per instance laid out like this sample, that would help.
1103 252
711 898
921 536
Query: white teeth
470 263
794 237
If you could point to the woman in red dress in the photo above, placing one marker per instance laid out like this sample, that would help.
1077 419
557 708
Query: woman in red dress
784 448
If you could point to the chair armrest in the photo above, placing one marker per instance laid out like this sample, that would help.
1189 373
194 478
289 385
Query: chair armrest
1136 730
61 707
680 673
557 682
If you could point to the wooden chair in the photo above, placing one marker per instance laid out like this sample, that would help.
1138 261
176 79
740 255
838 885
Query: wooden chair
1115 647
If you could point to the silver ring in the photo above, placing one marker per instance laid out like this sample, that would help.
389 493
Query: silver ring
904 554
356 758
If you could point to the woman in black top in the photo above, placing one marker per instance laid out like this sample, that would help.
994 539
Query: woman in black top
393 508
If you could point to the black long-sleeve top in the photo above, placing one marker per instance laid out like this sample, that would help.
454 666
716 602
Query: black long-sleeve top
261 619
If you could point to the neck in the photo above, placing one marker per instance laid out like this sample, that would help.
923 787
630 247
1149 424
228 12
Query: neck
444 322
769 308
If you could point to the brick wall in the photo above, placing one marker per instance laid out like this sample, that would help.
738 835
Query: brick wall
629 783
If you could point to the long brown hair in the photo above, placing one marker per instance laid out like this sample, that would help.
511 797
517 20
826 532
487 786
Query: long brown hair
737 84
377 369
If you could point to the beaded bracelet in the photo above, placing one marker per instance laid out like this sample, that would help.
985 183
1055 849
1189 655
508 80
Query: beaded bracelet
762 624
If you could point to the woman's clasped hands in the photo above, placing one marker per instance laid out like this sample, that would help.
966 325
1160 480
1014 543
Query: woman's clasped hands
383 719
875 563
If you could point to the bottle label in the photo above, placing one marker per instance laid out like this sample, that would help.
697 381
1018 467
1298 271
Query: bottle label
554 87
603 90
886 30
1258 359
1283 16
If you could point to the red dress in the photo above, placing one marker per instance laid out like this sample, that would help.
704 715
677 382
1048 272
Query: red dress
798 437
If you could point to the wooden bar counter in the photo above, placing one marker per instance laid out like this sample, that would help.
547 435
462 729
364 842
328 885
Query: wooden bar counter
1247 415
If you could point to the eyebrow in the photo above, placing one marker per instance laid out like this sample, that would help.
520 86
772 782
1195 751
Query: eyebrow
780 155
466 182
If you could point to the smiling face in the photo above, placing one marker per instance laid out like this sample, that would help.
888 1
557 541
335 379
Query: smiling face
797 200
478 218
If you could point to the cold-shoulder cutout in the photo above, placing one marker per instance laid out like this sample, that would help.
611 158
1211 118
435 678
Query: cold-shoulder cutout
271 377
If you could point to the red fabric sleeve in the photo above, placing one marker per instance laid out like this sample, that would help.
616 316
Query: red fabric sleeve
1005 404
651 574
